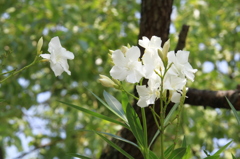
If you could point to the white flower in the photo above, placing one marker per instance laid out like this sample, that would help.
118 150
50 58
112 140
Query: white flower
154 43
148 95
172 82
176 96
152 62
58 57
180 65
127 66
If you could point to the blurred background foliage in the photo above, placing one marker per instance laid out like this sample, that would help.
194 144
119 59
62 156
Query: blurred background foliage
30 114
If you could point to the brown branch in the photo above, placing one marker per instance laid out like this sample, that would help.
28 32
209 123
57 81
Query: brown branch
182 38
213 99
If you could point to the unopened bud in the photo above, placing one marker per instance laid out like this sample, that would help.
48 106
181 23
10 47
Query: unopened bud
107 82
166 47
39 46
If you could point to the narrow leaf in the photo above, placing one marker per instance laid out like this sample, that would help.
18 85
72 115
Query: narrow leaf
168 150
178 153
213 157
154 138
114 105
135 124
222 148
206 152
119 138
234 111
188 153
78 155
152 155
233 157
115 146
170 113
107 106
184 143
95 114
124 101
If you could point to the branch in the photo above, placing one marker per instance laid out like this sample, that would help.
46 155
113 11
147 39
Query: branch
213 99
39 147
182 37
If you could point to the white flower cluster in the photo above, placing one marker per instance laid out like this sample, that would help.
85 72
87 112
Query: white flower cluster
164 69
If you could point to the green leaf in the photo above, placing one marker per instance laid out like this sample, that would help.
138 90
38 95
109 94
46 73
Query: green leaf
168 150
124 101
222 148
170 113
234 111
109 107
154 138
115 146
78 155
119 138
95 114
114 105
188 153
184 143
135 124
213 157
152 155
177 153
206 152
233 157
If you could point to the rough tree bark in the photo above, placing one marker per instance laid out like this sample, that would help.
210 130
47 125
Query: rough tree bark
155 20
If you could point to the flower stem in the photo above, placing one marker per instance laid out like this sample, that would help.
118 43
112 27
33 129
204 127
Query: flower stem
129 93
145 151
16 72
162 116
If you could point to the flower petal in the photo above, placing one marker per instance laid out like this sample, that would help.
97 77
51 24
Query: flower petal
46 56
57 69
133 53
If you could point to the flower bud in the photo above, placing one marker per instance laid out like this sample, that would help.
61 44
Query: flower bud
39 46
163 53
107 82
166 47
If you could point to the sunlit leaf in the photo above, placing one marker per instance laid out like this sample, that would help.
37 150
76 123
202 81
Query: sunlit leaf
94 114
222 148
114 105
